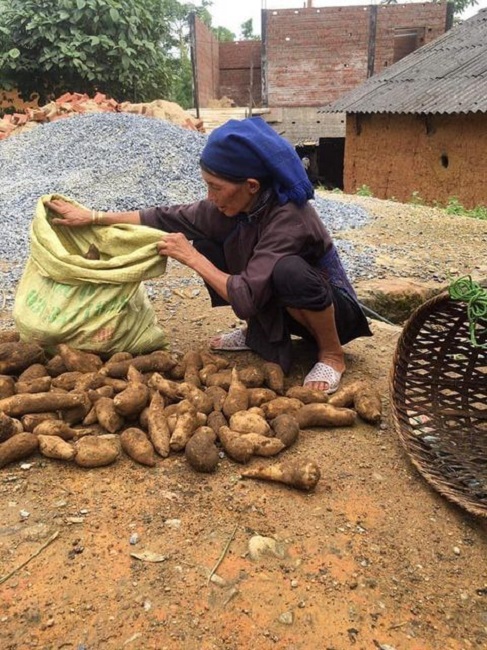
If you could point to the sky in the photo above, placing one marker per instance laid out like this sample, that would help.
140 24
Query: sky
232 13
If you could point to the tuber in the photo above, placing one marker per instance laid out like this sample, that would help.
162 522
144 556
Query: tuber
137 445
67 380
184 429
31 420
216 419
55 447
34 371
324 415
96 451
258 396
206 372
301 474
77 413
9 336
159 361
131 401
79 360
237 398
367 403
345 395
157 426
17 356
264 446
202 402
168 388
214 359
251 376
201 451
245 422
192 365
222 378
236 445
7 386
307 395
274 377
40 402
89 381
8 427
286 428
55 366
217 396
19 446
281 405
107 415
37 385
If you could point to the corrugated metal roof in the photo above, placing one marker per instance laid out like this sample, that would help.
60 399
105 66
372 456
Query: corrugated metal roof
448 75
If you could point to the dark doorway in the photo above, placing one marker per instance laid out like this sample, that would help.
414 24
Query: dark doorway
309 157
330 158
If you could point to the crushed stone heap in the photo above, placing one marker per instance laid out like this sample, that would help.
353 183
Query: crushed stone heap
116 161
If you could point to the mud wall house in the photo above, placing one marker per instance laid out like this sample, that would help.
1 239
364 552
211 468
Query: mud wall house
309 57
419 129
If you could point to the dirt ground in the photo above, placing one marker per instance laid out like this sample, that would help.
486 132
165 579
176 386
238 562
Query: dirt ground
373 559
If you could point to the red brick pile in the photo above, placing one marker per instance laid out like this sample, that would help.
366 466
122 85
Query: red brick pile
71 104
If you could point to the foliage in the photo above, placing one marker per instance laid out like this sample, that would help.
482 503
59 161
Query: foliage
248 31
223 34
455 207
364 190
85 45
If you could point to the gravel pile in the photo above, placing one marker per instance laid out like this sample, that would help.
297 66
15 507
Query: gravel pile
117 161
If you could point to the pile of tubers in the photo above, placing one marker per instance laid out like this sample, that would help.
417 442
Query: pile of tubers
75 406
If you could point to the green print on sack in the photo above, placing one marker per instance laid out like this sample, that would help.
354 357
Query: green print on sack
39 305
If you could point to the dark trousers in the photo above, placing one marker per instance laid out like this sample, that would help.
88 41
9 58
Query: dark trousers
297 285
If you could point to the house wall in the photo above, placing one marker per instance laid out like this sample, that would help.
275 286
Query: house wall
410 156
314 55
309 56
206 62
240 72
305 124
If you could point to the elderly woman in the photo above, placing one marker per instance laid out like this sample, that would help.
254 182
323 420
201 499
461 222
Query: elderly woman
260 247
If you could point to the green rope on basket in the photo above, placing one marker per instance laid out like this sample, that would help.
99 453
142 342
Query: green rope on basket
476 298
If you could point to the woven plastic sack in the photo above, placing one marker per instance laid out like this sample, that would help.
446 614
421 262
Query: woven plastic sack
99 305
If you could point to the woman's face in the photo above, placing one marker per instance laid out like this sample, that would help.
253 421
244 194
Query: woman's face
231 198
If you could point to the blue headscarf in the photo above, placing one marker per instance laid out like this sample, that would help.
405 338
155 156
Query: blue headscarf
250 148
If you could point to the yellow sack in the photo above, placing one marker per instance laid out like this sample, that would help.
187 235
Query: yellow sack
98 305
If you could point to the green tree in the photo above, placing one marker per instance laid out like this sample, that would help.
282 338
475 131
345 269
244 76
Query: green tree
113 46
248 31
223 34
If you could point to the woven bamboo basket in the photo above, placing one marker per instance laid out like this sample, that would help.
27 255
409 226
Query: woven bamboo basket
439 400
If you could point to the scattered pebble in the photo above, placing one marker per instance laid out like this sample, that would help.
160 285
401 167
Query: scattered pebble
260 546
286 618
173 523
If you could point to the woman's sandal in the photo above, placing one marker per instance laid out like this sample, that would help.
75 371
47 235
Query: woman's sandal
231 341
325 373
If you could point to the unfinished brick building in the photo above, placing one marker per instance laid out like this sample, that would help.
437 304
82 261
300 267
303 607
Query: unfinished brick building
307 58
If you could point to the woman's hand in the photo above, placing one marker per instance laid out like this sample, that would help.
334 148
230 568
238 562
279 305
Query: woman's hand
71 215
176 245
